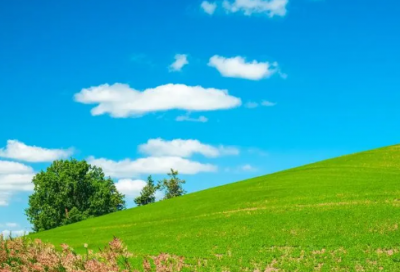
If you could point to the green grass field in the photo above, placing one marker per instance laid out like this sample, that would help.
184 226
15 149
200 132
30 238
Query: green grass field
341 214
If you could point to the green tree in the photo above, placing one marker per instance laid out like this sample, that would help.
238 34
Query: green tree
148 193
70 191
173 185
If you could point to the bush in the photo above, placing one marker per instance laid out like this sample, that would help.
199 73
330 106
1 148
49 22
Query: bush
25 255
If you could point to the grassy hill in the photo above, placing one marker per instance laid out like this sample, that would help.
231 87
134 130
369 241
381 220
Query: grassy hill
341 214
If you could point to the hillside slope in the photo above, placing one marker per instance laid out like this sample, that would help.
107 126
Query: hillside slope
341 213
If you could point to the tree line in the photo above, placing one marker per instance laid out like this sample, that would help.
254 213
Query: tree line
69 191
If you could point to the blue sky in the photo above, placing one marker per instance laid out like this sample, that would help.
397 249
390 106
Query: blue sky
259 86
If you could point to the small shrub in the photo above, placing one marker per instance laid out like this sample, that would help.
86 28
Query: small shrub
25 255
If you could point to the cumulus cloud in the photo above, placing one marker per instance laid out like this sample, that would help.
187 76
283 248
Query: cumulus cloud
152 165
20 151
8 167
208 7
239 68
16 182
121 101
200 119
248 7
132 188
184 148
180 61
14 177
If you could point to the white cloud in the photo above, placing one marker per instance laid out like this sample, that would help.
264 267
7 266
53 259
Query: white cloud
248 7
9 225
266 103
16 182
12 225
208 7
200 119
241 169
4 198
121 101
180 61
152 165
8 167
132 188
14 177
20 151
239 68
184 148
283 75
251 105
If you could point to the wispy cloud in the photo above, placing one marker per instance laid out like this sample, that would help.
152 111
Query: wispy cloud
241 169
257 151
251 105
208 7
248 168
9 225
248 7
180 61
264 103
200 119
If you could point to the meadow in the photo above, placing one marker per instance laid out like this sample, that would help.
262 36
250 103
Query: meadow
341 214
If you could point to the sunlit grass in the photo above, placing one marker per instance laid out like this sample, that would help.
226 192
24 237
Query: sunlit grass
341 214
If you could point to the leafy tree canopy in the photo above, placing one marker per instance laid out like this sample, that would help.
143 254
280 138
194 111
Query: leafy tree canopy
147 195
173 185
70 191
